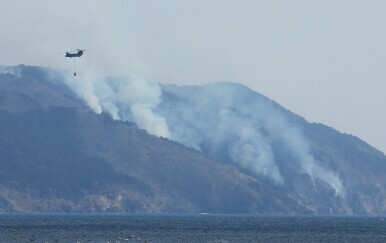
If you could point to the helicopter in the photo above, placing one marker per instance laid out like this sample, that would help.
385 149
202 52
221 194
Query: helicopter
72 54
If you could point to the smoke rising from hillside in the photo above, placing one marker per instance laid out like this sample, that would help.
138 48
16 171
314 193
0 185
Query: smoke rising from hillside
129 99
292 137
10 70
225 121
229 120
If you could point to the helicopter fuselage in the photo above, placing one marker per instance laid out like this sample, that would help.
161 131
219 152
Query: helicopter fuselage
77 54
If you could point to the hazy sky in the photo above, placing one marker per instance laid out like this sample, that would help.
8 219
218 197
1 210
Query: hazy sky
324 60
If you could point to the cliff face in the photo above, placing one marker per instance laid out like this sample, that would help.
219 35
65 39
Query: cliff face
57 155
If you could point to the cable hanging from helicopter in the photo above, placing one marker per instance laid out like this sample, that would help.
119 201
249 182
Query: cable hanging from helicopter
74 54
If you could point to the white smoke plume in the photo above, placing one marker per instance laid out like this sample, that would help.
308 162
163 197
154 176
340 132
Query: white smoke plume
229 120
280 129
10 70
129 99
249 148
137 100
225 121
211 120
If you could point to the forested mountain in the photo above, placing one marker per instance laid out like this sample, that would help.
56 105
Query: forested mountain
218 148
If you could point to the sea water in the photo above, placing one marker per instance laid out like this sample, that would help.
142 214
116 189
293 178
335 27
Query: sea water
187 228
